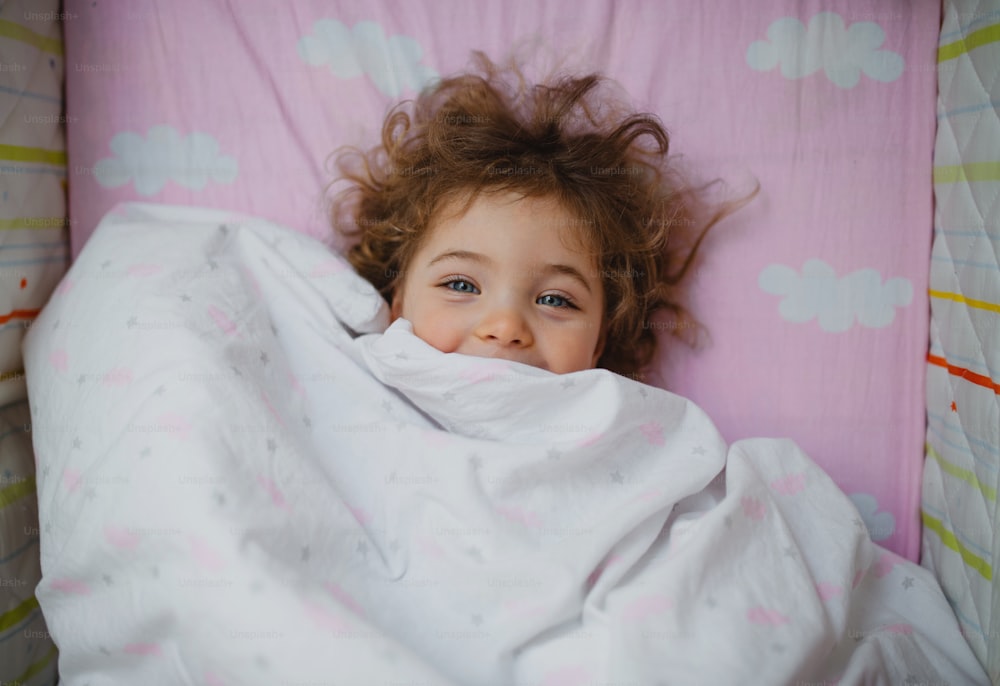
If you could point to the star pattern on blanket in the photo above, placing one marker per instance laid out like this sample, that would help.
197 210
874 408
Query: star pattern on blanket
907 583
132 321
185 297
617 477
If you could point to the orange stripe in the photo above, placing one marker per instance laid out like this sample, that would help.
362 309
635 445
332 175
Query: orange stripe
966 374
18 314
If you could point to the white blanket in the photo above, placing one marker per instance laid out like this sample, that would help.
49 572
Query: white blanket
244 477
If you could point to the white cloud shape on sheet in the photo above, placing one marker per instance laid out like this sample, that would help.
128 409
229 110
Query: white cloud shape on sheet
880 524
164 155
391 63
837 302
842 52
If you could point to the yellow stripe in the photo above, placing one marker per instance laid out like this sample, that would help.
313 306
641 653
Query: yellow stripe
20 153
12 617
960 473
16 491
959 298
9 29
38 666
11 375
983 36
33 223
973 171
948 538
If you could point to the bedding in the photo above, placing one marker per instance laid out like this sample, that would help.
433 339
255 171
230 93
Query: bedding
961 541
246 475
812 296
34 254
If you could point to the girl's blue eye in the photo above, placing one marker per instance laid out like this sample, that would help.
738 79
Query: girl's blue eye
561 301
465 286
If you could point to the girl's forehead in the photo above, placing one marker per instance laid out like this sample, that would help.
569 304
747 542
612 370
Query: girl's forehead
490 212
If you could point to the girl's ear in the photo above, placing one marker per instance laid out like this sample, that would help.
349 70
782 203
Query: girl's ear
396 308
599 350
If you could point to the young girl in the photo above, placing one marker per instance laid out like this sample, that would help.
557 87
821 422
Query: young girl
539 224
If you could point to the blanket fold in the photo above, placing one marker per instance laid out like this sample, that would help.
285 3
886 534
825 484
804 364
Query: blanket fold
248 475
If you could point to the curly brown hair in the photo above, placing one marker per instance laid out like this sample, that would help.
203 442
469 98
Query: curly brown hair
491 132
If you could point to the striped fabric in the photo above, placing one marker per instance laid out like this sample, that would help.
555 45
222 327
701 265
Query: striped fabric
33 227
961 537
33 257
27 654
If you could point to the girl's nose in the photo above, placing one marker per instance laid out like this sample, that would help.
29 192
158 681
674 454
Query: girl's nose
506 327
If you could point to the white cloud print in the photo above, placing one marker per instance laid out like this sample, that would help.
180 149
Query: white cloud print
164 155
391 63
837 302
843 53
880 524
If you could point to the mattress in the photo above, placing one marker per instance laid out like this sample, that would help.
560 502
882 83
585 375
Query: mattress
812 295
34 254
961 540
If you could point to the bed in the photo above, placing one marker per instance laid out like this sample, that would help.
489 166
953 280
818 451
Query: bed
883 371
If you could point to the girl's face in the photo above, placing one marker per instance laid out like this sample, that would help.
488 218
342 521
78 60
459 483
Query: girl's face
499 282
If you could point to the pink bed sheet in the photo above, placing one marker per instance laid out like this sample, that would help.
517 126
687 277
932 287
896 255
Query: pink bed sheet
815 294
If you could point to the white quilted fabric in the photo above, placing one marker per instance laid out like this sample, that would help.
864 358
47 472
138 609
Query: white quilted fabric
960 540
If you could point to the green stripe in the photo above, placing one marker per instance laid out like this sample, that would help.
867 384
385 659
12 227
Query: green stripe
973 171
16 491
983 36
949 540
20 153
33 223
12 617
965 475
35 668
9 29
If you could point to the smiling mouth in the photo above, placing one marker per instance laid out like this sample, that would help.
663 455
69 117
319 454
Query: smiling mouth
508 358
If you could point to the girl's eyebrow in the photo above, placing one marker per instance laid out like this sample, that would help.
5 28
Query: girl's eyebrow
550 268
